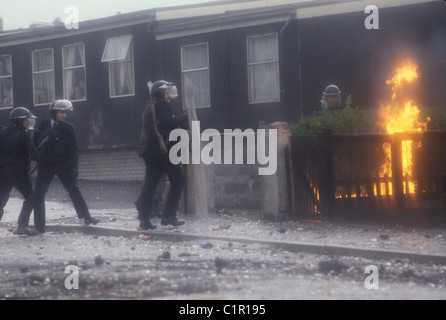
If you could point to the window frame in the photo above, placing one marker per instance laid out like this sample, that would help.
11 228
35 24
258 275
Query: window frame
113 62
64 68
9 76
183 72
107 46
42 72
250 64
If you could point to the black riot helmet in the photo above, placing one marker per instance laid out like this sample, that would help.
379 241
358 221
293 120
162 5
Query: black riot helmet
21 116
331 98
59 105
158 88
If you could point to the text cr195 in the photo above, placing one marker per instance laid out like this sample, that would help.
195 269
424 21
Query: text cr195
236 309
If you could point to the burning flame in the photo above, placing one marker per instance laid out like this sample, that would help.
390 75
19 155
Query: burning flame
401 116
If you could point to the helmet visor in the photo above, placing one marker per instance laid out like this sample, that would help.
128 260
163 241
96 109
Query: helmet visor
172 91
29 123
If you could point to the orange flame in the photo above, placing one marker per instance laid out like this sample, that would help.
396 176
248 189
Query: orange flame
401 116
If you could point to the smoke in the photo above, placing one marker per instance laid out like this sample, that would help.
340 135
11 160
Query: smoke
427 48
433 69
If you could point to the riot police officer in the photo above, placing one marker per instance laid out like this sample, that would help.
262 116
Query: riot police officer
331 99
16 150
58 155
159 121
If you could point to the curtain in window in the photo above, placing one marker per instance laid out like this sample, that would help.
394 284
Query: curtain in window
262 48
195 76
5 65
6 91
122 79
44 88
74 72
263 66
119 54
264 84
195 57
196 90
43 60
43 76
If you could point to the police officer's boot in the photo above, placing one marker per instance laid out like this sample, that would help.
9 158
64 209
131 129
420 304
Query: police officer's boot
25 230
90 220
173 221
146 225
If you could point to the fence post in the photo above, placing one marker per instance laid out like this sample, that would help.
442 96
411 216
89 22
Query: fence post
397 176
289 157
326 173
274 187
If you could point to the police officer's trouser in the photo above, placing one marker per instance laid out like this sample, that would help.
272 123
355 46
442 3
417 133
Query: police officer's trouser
160 188
155 167
68 178
16 176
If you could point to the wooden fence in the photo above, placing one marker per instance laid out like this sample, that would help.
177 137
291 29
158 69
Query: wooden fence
354 177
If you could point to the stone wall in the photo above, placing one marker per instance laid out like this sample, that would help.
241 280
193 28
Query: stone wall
235 186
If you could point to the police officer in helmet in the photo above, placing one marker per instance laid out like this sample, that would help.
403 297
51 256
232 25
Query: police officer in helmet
16 150
58 151
331 99
156 155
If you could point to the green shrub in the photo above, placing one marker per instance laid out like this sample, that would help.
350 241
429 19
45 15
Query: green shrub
347 120
355 120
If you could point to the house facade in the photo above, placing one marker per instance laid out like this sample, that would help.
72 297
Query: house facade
238 63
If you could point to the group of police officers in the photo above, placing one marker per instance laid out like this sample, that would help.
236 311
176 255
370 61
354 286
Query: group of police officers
54 147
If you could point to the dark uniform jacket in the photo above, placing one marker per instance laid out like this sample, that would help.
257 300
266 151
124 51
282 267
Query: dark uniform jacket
16 146
66 133
166 122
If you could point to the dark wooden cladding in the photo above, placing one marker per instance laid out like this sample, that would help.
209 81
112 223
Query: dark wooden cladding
312 53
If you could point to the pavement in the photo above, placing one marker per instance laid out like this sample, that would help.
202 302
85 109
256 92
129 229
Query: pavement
113 204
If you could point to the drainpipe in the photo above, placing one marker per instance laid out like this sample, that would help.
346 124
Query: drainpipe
152 20
291 17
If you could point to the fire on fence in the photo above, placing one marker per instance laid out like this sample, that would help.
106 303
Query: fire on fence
401 115
381 174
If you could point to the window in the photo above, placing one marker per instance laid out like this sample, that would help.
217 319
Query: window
195 75
118 53
74 72
263 68
43 76
6 96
